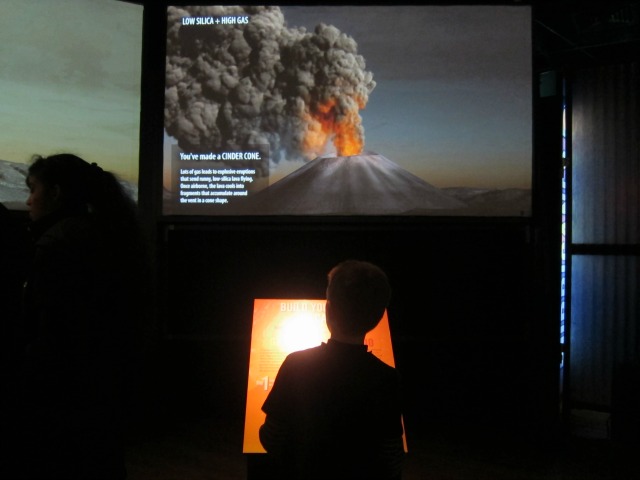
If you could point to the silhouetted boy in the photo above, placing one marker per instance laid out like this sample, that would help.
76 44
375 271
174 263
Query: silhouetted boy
335 410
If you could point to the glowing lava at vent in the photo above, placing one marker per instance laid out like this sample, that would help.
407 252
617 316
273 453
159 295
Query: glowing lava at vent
338 121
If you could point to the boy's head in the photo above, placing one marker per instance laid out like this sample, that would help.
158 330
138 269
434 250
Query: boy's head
357 294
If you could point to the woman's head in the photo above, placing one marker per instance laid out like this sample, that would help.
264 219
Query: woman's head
56 182
43 199
66 181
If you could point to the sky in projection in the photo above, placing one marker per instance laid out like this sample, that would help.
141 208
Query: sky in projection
453 96
70 81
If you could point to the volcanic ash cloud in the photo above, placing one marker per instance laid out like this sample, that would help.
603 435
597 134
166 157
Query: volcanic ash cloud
234 86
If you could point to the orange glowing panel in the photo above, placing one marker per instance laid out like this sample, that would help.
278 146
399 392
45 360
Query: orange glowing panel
281 326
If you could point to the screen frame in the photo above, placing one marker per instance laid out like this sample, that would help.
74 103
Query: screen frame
152 140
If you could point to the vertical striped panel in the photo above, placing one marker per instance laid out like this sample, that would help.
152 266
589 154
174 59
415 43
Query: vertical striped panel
606 155
604 323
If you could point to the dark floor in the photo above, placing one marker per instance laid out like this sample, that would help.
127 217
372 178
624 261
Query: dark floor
211 449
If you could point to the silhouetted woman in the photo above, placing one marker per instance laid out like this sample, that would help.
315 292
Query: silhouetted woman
81 313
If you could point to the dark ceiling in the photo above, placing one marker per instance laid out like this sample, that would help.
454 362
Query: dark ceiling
583 33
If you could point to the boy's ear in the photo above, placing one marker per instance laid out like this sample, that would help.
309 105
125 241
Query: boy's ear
327 308
328 316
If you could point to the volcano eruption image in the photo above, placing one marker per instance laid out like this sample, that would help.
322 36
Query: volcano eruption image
363 184
443 112
258 81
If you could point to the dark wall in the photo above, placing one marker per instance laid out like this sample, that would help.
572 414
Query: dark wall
463 315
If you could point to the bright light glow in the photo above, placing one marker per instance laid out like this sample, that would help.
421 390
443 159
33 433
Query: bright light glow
281 326
301 331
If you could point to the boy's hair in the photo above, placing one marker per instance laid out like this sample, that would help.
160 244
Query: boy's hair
359 292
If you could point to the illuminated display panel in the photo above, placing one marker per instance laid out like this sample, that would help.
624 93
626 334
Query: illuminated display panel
282 326
314 110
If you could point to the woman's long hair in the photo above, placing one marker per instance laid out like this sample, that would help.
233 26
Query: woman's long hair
86 187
